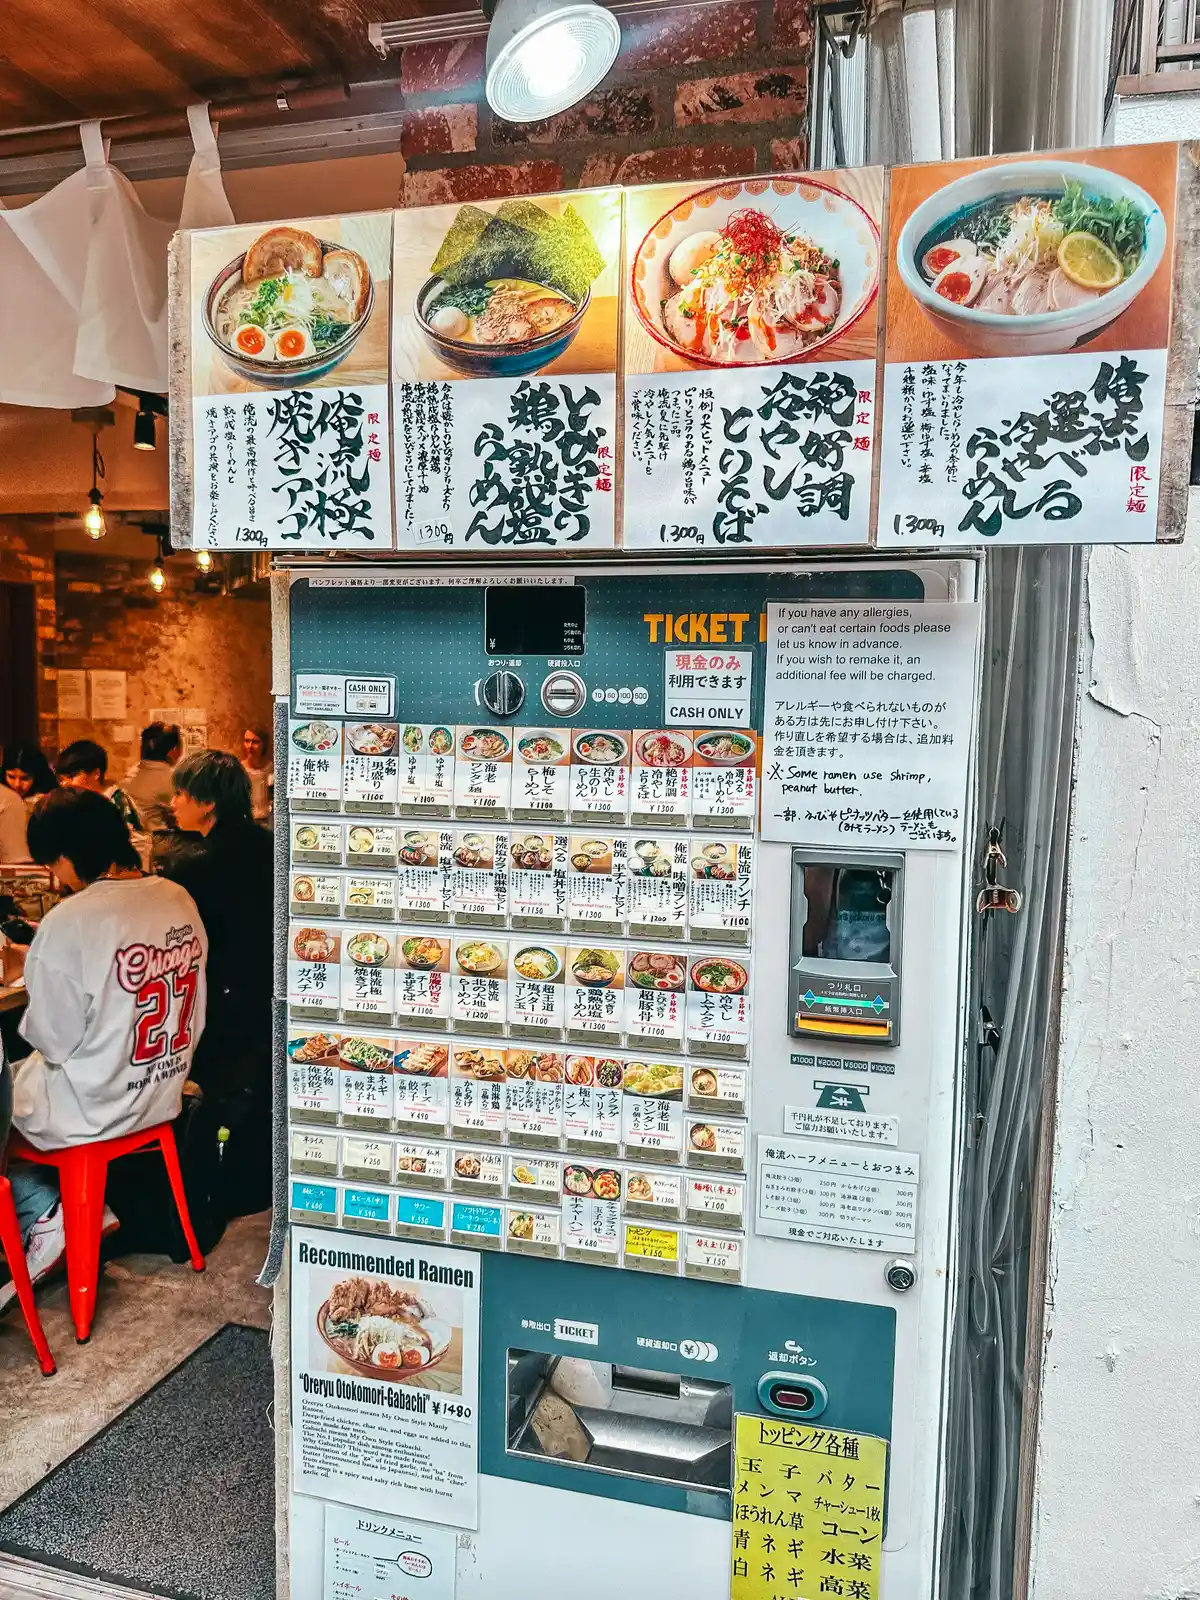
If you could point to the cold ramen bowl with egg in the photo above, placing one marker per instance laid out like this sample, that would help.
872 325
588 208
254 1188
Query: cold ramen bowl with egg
290 308
755 272
1030 258
509 291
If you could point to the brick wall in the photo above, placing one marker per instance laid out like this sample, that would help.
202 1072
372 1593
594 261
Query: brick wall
185 647
696 94
27 556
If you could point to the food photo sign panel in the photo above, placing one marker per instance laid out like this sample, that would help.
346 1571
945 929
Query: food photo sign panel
1028 326
519 298
385 1376
751 328
289 357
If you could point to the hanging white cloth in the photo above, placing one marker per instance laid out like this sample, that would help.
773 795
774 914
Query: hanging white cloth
205 204
43 264
123 315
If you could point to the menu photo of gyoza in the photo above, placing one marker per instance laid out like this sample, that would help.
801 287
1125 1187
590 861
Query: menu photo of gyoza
504 357
1028 323
289 382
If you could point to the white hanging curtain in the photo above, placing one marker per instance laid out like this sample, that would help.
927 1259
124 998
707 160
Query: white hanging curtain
205 204
85 273
981 77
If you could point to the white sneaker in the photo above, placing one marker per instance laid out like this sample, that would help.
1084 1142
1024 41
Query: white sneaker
46 1248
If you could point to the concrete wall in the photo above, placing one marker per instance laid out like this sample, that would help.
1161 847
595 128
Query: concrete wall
1117 1498
1118 1489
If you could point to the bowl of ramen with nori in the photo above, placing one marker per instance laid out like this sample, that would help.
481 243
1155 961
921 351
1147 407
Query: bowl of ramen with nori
290 308
509 289
1032 257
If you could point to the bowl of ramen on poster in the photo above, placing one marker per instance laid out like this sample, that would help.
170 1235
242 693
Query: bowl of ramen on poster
296 303
753 272
509 288
1032 255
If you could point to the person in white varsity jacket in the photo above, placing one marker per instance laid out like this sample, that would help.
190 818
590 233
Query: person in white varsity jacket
116 982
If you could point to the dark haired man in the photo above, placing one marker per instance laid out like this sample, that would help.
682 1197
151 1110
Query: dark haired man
148 785
84 765
116 984
231 878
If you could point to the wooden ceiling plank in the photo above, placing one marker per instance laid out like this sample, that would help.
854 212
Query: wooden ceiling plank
101 70
23 100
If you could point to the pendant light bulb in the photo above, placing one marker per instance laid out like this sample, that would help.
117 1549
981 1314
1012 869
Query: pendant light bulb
93 518
204 560
158 574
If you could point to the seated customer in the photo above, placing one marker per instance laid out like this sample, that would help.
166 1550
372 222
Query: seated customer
149 784
84 765
27 772
231 879
116 984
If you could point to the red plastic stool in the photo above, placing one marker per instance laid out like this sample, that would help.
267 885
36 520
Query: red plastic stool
10 1244
82 1173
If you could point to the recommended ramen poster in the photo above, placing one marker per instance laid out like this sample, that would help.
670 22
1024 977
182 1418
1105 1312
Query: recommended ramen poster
1028 318
519 298
385 1375
289 379
751 330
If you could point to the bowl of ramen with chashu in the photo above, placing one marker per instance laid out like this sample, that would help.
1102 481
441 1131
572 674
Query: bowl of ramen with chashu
508 290
1030 258
755 273
289 309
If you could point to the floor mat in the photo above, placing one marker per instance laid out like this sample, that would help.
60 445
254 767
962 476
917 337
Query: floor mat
177 1495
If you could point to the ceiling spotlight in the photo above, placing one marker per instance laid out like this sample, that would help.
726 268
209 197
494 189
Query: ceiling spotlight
143 426
546 55
204 560
93 517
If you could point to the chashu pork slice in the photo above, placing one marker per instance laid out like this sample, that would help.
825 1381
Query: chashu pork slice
351 278
1032 295
281 250
1064 295
997 297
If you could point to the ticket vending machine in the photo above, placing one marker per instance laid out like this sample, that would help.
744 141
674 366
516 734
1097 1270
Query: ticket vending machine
685 1099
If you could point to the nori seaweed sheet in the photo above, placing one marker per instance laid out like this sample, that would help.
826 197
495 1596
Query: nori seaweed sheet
566 256
462 236
521 241
501 251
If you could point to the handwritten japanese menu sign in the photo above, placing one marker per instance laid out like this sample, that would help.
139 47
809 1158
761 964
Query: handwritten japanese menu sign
867 716
750 362
1028 318
807 1512
519 298
289 383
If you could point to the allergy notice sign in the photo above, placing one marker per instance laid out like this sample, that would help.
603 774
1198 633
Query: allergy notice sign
867 724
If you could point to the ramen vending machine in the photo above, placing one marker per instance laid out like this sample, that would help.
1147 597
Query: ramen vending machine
624 952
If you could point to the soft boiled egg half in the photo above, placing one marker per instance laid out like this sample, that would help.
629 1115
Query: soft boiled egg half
292 343
962 279
691 254
254 342
940 256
